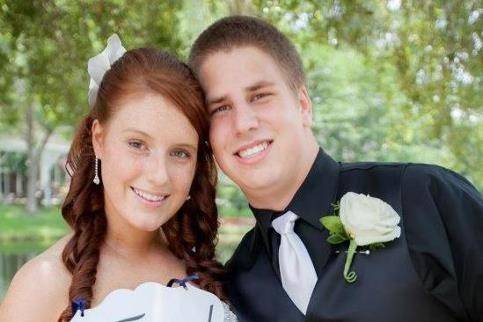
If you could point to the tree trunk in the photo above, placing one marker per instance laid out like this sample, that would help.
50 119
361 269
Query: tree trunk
32 166
34 155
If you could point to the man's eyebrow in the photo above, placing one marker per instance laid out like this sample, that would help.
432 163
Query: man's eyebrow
216 100
251 88
258 85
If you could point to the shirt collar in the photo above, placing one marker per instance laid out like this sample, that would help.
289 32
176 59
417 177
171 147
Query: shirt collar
313 198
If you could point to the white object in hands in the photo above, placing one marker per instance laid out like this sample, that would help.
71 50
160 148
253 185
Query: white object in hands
154 302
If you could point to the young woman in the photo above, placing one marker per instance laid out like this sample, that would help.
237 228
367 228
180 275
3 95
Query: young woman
141 198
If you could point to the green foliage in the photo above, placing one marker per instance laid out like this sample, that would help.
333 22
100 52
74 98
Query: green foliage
13 161
46 45
333 224
335 239
388 82
230 201
376 246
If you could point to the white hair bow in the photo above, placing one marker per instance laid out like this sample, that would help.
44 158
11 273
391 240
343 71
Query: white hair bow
98 65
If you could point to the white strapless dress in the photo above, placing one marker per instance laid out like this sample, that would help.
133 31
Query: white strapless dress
154 302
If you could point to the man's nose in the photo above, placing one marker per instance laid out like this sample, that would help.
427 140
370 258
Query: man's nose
245 118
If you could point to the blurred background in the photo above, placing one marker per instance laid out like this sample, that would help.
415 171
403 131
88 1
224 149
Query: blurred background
390 80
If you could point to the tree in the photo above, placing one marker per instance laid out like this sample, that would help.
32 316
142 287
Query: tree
47 45
424 58
390 80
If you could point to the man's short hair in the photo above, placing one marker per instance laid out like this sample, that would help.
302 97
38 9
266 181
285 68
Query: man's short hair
242 31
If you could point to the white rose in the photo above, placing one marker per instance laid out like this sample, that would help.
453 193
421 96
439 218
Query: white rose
368 220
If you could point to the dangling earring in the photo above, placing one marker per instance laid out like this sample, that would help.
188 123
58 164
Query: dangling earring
96 172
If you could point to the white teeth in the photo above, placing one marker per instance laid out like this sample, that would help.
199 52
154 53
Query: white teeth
254 150
148 196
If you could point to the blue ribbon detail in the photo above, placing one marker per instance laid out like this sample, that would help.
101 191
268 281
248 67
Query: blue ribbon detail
78 304
183 281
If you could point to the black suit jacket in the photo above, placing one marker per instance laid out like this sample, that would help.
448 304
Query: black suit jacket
433 272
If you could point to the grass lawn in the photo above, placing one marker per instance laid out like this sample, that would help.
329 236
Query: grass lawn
16 225
18 228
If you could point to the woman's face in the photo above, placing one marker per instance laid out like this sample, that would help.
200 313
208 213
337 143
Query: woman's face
148 152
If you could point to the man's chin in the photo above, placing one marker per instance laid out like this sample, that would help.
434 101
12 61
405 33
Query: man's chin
257 182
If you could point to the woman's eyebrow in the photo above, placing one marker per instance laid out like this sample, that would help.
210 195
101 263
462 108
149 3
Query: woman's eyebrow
130 129
187 145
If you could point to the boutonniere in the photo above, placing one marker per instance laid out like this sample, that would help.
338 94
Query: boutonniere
363 221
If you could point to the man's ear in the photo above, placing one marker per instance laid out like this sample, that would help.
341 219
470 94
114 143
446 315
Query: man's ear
97 138
305 106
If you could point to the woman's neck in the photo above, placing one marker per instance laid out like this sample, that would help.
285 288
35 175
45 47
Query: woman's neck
134 242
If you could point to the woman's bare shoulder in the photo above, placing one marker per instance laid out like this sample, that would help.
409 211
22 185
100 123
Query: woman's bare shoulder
39 290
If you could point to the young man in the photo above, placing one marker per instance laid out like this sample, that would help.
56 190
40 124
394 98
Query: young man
284 269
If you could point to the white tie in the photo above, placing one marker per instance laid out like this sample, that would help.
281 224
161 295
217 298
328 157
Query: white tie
296 268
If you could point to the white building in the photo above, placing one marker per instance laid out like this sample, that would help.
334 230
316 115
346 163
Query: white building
52 174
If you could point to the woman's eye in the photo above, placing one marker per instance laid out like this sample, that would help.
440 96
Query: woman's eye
181 154
138 145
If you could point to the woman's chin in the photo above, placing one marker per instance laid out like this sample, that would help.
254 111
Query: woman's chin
144 224
149 227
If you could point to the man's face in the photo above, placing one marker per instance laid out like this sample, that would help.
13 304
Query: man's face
259 125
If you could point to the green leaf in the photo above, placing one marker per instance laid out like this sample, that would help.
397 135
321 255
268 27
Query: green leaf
333 224
376 246
335 239
336 206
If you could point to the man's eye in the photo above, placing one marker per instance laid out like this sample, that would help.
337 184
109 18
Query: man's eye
219 109
259 96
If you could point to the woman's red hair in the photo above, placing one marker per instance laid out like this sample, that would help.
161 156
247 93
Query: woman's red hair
191 233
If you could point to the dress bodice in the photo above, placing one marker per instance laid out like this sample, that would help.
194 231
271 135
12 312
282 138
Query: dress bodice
154 302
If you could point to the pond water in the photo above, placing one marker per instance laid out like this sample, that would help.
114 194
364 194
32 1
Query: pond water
14 255
9 264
